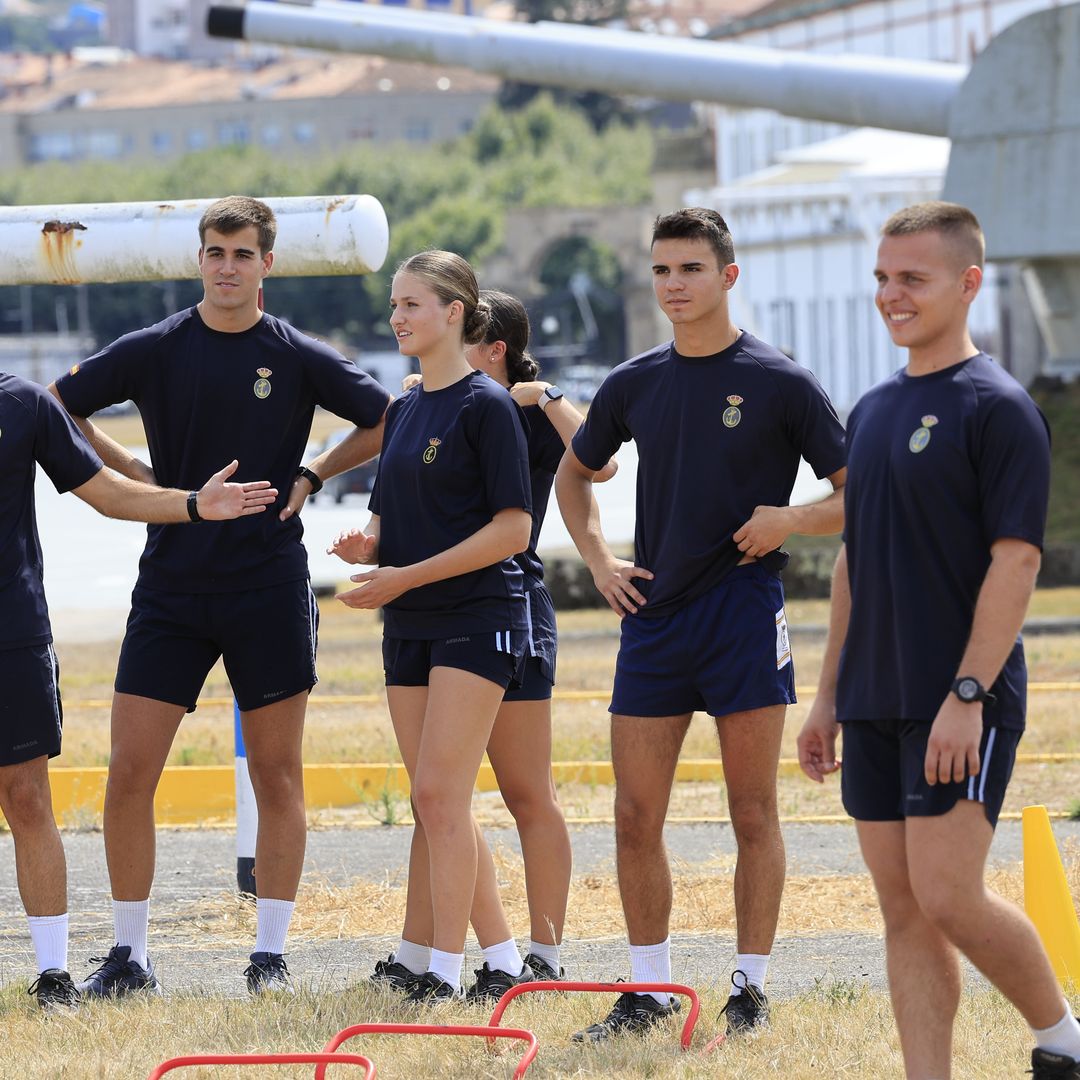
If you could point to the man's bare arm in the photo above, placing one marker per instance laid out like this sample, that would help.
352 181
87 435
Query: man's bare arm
770 526
115 456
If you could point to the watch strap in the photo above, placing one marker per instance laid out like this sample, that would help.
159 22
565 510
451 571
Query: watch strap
310 477
193 506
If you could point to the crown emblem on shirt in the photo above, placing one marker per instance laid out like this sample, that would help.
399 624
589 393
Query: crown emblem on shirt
732 415
429 453
920 437
74 370
263 372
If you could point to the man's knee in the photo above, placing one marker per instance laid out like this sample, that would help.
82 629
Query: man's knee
754 818
639 819
276 783
25 799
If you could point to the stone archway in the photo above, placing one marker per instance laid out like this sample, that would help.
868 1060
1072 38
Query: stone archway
532 232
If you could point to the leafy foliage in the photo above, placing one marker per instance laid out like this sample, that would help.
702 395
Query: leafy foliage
453 195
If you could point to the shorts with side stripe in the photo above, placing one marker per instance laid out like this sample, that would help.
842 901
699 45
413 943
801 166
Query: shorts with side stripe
538 676
31 716
495 655
882 778
267 638
724 652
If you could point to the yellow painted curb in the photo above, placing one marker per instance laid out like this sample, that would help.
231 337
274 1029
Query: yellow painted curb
557 695
189 793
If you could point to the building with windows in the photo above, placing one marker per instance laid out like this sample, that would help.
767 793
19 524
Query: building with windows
805 200
110 105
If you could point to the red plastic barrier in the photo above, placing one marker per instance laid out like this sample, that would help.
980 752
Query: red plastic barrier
488 1033
265 1059
607 988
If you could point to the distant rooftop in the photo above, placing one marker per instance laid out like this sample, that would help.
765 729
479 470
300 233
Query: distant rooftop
112 79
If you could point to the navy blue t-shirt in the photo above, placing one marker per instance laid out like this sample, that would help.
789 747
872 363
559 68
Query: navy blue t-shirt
205 398
939 467
34 428
716 437
546 449
451 460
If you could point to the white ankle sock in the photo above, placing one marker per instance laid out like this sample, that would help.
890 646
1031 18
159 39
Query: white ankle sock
504 957
447 966
131 921
754 966
548 953
417 958
272 918
652 963
49 933
1062 1038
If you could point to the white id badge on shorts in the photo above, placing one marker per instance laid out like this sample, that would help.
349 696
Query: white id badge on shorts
783 646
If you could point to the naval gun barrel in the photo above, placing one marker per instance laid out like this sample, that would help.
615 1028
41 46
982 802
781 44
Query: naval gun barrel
902 95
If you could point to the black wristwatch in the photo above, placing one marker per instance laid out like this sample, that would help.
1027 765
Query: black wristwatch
552 393
969 690
310 477
193 506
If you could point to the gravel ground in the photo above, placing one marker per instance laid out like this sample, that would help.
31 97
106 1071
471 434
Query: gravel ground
200 863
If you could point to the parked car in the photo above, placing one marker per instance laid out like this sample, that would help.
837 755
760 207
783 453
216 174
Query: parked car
356 481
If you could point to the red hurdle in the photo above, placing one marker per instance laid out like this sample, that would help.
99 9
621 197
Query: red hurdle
322 1059
607 988
488 1033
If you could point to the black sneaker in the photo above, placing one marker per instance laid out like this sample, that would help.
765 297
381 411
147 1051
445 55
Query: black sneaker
431 989
1048 1066
267 973
491 985
54 990
633 1014
747 1010
119 975
390 975
543 971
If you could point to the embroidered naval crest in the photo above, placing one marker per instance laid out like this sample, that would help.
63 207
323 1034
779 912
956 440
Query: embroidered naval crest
430 452
732 416
920 437
262 383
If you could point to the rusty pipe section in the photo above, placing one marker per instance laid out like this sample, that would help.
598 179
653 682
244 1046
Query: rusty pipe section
110 242
903 95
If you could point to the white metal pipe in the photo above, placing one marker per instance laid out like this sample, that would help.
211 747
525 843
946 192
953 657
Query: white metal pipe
109 242
903 95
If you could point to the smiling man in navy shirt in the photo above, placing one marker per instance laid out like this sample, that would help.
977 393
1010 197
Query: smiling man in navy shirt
219 379
720 420
35 430
948 482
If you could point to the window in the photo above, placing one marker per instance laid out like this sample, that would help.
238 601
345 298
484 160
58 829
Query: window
162 142
304 132
196 139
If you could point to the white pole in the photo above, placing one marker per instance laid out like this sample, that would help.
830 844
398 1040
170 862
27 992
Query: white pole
156 241
905 95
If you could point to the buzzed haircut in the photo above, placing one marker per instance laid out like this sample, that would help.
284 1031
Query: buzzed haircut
697 223
956 223
235 213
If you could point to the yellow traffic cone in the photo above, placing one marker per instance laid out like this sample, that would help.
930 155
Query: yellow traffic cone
1047 900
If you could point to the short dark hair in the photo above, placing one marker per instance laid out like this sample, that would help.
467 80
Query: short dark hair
451 278
956 223
510 325
235 213
697 223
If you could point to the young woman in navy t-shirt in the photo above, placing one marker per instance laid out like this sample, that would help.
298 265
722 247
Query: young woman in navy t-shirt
451 508
520 745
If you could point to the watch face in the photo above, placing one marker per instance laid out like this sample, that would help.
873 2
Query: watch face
967 690
553 393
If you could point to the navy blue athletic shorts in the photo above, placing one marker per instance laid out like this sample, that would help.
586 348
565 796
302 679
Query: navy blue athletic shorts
31 718
725 652
538 676
495 655
882 778
267 638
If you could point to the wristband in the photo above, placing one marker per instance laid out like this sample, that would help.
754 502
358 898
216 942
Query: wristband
310 477
193 506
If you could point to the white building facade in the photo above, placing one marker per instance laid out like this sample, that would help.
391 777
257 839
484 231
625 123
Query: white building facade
805 200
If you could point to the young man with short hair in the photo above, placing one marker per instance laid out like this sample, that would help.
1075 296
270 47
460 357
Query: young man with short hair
945 507
720 420
219 378
35 430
